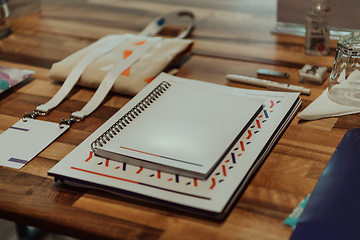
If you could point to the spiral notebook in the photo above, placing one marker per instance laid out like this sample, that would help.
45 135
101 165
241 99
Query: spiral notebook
179 129
212 198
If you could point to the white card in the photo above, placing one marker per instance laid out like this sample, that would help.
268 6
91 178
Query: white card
24 140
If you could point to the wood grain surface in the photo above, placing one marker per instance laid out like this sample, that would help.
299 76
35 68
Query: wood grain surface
231 36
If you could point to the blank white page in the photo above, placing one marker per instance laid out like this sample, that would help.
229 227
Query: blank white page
186 128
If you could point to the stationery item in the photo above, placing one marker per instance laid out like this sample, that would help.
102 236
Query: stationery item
293 218
24 140
266 72
211 198
312 74
268 84
332 211
9 77
166 52
176 128
323 107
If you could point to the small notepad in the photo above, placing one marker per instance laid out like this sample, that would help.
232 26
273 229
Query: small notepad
178 129
25 139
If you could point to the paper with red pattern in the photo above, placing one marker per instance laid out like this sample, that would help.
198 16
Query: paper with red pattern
213 194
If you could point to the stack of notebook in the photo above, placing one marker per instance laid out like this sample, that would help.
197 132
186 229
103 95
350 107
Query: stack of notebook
182 143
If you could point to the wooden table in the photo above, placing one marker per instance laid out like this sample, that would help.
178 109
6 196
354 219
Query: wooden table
231 36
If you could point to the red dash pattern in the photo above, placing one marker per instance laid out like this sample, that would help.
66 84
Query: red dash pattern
90 156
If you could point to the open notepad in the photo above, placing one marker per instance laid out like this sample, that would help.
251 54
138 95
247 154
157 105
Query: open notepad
213 197
178 128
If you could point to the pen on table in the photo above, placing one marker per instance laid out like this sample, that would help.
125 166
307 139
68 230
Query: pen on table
268 84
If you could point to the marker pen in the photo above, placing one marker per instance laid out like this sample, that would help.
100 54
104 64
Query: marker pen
270 85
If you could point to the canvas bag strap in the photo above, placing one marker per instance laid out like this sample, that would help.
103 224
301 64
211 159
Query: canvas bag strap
76 72
158 24
151 29
111 77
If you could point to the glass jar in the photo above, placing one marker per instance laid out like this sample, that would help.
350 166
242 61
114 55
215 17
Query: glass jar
5 25
317 25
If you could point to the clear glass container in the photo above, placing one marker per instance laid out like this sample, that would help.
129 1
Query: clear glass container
5 25
317 24
344 87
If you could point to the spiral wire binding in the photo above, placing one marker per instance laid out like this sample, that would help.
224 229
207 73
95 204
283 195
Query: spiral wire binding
128 117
